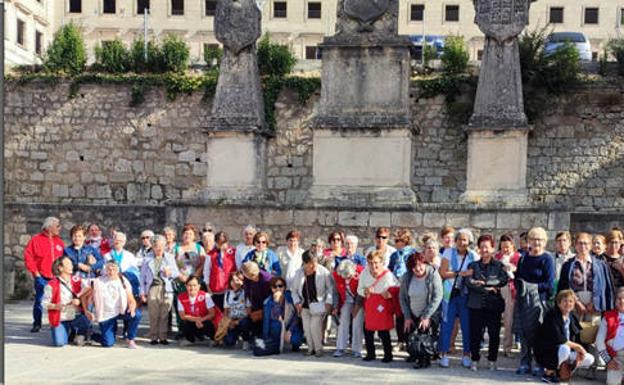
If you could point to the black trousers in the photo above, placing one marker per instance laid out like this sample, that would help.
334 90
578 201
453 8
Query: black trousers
480 320
384 336
191 332
218 300
400 322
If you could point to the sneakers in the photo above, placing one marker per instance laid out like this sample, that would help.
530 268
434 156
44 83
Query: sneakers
79 340
154 342
339 353
492 366
132 344
473 366
185 343
466 361
550 379
537 371
523 369
357 355
444 361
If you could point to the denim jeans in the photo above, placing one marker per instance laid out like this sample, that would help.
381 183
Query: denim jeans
457 307
108 328
40 284
77 326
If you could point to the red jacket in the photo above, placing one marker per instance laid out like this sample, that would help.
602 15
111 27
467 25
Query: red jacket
219 276
200 309
40 252
341 285
54 316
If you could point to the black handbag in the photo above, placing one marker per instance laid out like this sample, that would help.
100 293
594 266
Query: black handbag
422 344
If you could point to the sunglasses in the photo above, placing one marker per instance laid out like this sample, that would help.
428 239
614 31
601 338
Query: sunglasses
145 237
382 237
262 242
279 286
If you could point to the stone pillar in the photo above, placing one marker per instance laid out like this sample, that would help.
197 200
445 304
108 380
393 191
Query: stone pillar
498 129
364 119
236 149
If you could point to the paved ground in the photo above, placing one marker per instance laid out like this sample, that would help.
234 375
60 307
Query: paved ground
30 360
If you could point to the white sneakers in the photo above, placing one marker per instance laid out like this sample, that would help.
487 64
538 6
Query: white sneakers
466 361
444 361
473 366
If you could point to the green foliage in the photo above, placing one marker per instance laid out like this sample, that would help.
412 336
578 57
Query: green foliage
154 61
455 55
137 95
67 53
603 63
430 53
113 57
616 47
545 75
274 59
175 54
272 86
213 56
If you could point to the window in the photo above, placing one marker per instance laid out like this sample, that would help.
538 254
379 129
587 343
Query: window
480 55
38 42
591 15
417 12
279 9
314 10
21 27
177 7
142 5
452 13
622 16
312 52
75 6
556 15
109 6
211 7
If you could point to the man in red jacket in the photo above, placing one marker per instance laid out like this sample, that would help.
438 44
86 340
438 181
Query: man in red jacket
40 252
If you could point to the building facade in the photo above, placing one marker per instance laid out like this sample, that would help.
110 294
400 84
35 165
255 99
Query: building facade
28 29
301 24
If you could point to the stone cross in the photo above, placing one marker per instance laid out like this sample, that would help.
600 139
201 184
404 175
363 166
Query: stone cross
366 20
238 103
499 103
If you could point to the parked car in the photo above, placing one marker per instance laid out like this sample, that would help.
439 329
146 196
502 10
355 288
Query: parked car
578 39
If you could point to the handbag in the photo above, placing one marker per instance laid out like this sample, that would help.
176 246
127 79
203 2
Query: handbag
589 331
378 311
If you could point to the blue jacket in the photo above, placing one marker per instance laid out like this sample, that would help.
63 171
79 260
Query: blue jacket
270 264
398 261
357 258
81 256
290 319
602 291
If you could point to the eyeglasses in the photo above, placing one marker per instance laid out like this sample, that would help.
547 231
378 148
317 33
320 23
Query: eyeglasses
262 242
381 237
278 286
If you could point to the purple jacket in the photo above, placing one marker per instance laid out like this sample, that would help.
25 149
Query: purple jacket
257 292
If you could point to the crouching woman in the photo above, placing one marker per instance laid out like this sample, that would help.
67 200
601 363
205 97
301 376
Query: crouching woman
557 345
62 299
198 313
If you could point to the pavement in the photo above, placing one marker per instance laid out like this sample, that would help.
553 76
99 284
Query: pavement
29 359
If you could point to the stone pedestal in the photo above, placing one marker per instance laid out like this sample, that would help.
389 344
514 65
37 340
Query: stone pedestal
497 163
238 104
235 167
364 167
364 85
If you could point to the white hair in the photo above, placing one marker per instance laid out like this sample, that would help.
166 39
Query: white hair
159 238
49 222
147 233
465 232
120 235
352 238
250 228
346 269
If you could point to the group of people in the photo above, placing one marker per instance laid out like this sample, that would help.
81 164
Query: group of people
565 309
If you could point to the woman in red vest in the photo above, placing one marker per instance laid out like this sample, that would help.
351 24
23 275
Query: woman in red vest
199 315
62 299
346 277
220 264
610 340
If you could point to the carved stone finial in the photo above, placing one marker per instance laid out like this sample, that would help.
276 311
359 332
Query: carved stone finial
237 23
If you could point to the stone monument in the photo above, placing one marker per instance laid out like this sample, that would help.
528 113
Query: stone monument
498 129
362 128
237 126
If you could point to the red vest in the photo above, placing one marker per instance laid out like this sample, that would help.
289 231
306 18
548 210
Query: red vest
613 321
219 277
200 309
54 316
341 285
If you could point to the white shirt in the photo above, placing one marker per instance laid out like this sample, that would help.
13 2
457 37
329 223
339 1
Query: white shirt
235 301
290 263
128 260
68 313
112 292
389 251
367 280
209 303
241 251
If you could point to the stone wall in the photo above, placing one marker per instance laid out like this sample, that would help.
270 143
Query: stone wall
95 158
